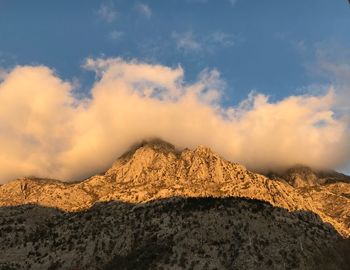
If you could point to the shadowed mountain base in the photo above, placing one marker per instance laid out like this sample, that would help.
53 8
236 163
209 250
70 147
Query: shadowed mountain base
174 233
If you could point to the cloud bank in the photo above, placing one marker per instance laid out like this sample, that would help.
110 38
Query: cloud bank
46 131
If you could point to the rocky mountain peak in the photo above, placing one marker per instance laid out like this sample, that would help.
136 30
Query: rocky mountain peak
304 176
299 176
165 163
144 150
202 152
156 170
157 145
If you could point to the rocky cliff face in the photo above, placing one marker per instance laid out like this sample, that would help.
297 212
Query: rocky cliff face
156 170
302 176
176 210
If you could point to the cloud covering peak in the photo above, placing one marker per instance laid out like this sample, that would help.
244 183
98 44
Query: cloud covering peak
46 131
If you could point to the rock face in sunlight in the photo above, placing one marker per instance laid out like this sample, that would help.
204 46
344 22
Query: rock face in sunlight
152 205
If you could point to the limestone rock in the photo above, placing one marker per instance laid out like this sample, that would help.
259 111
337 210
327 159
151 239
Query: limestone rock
156 170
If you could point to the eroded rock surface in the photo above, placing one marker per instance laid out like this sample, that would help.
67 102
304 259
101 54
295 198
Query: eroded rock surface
157 170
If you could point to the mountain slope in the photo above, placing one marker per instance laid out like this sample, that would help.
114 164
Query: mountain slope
174 233
302 176
156 170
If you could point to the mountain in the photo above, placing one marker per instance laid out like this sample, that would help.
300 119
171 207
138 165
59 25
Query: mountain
173 233
158 196
303 176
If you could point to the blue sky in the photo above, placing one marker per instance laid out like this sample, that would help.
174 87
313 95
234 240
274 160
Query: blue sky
269 46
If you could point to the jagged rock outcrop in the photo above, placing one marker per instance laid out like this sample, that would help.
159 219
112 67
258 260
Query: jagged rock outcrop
302 176
156 170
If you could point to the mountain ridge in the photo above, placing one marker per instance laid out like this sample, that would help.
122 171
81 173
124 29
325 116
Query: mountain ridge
156 170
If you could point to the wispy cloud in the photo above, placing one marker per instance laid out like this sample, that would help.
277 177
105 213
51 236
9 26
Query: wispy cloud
115 35
186 41
300 46
189 42
143 9
222 38
332 62
7 59
107 12
231 2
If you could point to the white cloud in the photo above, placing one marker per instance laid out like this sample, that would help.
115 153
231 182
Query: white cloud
46 131
222 38
107 12
144 10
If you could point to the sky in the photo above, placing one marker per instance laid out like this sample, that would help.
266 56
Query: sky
245 49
